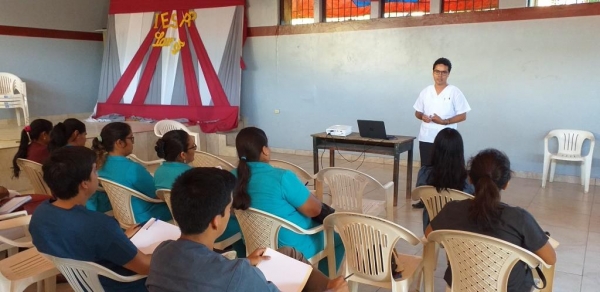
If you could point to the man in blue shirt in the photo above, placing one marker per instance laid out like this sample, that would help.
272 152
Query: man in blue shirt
201 202
65 228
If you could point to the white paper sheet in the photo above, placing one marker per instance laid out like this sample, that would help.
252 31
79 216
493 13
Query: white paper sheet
288 274
153 233
13 204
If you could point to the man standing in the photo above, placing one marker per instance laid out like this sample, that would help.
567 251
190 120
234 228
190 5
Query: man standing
439 106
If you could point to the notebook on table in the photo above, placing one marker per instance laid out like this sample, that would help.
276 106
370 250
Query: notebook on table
373 129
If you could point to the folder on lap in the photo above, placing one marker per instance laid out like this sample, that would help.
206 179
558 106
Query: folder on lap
153 233
278 269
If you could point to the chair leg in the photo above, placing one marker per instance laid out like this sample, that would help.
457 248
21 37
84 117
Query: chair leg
588 174
545 170
552 168
353 286
18 117
49 284
583 175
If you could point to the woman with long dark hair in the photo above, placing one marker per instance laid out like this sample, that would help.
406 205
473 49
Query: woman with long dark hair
70 132
490 172
278 192
448 169
112 146
33 144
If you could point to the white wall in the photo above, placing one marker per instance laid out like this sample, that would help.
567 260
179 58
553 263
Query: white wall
62 75
522 79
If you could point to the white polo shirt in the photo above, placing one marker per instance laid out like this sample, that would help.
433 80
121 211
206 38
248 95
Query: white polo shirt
449 103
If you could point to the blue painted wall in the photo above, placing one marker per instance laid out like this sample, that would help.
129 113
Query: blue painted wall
62 75
521 78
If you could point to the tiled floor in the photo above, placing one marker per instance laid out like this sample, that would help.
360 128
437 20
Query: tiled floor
571 216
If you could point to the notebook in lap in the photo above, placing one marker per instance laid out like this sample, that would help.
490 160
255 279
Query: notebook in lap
373 129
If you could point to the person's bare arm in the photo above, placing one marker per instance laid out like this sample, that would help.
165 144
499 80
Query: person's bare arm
453 120
419 115
547 253
140 264
311 208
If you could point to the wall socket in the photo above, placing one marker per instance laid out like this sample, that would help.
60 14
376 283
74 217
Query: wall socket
276 111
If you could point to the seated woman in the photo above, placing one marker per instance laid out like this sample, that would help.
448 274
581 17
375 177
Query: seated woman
34 144
71 132
177 147
64 228
278 192
485 214
112 147
447 169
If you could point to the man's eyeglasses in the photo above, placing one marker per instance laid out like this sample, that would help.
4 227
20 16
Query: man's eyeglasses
438 73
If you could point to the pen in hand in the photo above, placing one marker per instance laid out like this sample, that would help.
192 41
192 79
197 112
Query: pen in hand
346 278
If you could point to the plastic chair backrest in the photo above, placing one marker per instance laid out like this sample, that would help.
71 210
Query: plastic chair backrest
35 175
164 126
9 82
261 229
368 241
570 142
300 172
83 276
120 200
11 223
165 195
347 187
205 159
480 262
434 201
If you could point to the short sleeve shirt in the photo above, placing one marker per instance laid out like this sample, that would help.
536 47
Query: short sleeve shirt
84 235
183 265
167 173
519 228
449 103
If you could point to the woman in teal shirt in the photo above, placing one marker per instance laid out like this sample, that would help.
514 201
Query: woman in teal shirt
177 147
112 146
278 192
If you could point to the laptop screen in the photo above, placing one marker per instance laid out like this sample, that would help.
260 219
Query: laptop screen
372 129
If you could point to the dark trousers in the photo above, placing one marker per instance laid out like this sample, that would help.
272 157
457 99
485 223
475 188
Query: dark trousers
426 151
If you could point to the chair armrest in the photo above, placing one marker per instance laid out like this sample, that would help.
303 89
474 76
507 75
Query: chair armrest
144 162
388 185
15 222
13 215
314 230
16 243
146 198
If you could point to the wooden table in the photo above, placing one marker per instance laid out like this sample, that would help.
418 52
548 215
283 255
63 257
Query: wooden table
354 142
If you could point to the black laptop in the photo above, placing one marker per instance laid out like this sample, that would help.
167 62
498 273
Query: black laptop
373 129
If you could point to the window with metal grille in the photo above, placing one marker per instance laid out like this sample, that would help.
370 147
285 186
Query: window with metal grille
344 10
454 6
297 11
400 8
533 3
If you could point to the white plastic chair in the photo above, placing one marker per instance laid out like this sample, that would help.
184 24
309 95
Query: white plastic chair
14 233
570 144
35 175
261 229
10 83
300 172
164 126
83 276
205 159
150 165
165 195
120 200
25 268
369 242
434 201
480 263
347 187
